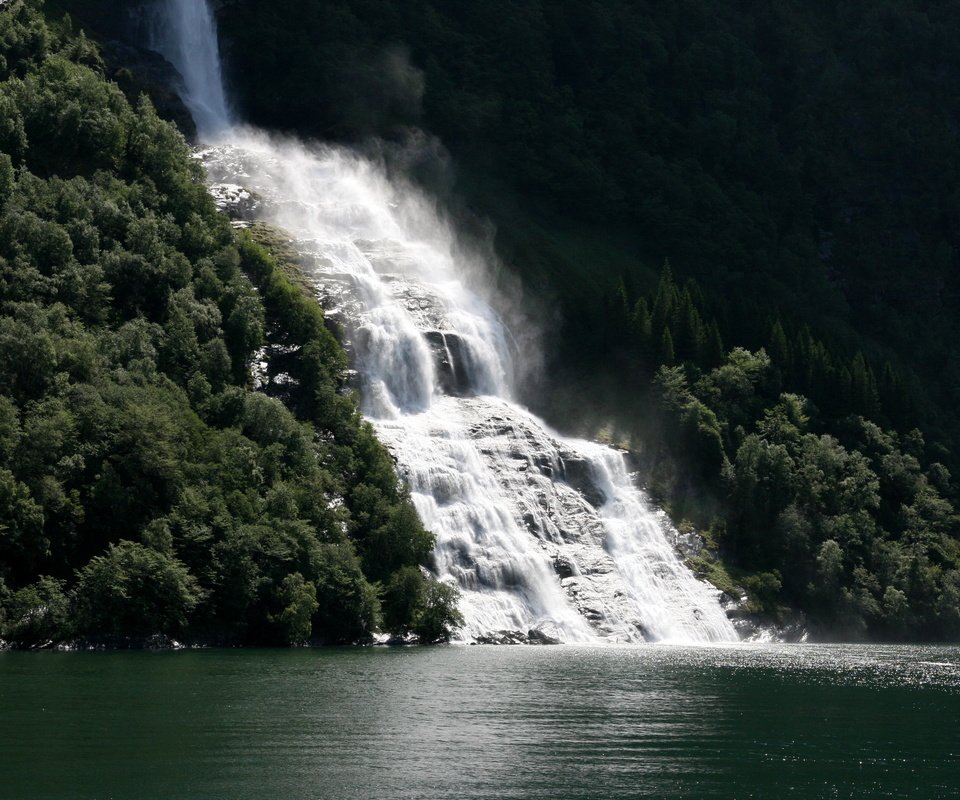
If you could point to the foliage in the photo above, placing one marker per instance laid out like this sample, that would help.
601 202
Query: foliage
133 589
145 486
814 503
795 163
38 613
424 606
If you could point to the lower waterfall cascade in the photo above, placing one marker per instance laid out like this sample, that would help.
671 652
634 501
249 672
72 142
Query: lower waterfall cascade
547 537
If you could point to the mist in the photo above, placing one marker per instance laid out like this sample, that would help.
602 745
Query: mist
547 538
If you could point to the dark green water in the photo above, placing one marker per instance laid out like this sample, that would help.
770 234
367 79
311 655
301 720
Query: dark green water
476 722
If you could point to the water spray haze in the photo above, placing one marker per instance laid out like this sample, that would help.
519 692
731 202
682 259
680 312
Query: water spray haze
547 537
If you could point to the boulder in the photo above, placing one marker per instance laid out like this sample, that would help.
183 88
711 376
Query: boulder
502 637
688 544
544 634
449 360
564 567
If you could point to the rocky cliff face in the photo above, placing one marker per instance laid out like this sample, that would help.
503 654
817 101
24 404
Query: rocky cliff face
547 538
118 27
138 70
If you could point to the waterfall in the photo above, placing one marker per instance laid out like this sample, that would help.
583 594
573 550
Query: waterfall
547 537
184 32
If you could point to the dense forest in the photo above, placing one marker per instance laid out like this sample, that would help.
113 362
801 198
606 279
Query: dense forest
795 160
789 382
145 486
746 219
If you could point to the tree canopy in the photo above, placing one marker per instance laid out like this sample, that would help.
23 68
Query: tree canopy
795 162
146 485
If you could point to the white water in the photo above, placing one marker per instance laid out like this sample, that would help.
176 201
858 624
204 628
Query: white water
540 532
185 33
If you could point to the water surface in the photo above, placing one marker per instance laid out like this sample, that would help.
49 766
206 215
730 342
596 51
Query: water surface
483 722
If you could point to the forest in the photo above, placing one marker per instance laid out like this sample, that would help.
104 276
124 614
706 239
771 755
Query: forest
789 382
744 221
145 486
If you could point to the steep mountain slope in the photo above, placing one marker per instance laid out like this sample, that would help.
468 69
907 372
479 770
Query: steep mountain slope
144 487
798 167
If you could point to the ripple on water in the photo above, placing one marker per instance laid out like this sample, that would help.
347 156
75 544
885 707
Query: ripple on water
484 722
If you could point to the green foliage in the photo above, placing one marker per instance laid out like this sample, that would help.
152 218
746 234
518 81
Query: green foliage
438 613
73 121
422 606
132 589
764 591
349 605
300 597
812 503
37 614
6 177
140 475
22 543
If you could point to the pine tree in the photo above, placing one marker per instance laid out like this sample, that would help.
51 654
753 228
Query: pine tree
863 387
893 397
779 348
712 355
640 327
685 322
666 347
664 301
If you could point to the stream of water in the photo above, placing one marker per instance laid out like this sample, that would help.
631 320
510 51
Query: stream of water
547 537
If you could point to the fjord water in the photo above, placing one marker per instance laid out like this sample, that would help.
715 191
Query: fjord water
542 534
567 723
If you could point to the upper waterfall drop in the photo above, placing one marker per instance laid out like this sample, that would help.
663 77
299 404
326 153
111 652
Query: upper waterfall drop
548 538
185 33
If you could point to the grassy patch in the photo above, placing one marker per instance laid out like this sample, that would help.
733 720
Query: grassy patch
282 248
708 568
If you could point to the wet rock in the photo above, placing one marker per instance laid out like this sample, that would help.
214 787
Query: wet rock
157 641
450 363
502 637
592 614
688 544
544 464
563 567
235 201
543 635
397 640
790 627
578 475
160 641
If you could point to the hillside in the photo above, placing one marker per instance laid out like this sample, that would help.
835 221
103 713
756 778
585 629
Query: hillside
789 385
738 225
146 487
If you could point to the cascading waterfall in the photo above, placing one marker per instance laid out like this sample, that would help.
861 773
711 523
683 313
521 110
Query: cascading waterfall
185 33
547 537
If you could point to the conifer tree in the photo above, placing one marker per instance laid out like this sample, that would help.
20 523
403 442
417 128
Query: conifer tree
666 347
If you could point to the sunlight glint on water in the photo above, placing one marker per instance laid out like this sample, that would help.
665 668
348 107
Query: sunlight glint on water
483 723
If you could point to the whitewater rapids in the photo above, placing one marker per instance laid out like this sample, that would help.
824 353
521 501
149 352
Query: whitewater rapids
547 537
